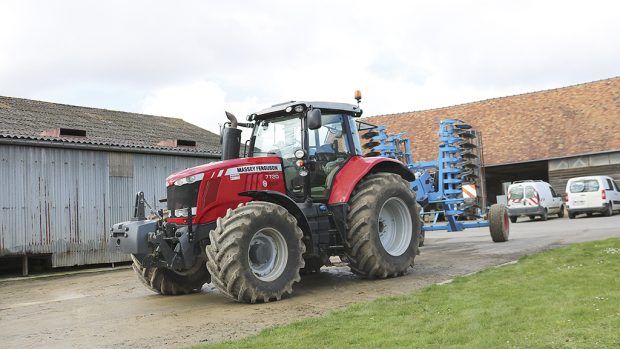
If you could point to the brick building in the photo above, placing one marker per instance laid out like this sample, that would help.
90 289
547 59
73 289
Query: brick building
550 135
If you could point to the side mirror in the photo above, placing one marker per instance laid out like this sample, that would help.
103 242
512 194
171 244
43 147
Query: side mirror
313 119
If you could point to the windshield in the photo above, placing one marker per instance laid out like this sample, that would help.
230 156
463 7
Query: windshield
278 137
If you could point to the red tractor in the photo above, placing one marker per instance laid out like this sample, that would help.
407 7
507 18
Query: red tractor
303 193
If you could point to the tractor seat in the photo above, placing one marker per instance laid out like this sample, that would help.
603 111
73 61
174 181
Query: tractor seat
326 153
333 168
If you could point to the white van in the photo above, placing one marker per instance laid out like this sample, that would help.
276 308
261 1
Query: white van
592 194
533 198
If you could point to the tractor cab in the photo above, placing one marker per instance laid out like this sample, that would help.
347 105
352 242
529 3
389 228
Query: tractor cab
314 141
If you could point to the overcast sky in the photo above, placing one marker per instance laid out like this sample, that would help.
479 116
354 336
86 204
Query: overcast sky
195 59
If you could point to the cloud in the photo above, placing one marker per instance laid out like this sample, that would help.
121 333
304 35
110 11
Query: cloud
201 103
195 59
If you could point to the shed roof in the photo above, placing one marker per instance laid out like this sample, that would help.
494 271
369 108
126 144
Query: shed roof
42 121
568 121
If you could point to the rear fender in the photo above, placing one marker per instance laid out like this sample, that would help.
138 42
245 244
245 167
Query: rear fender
290 205
357 168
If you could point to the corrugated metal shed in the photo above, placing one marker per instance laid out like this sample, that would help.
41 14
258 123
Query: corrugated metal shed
67 173
28 120
63 201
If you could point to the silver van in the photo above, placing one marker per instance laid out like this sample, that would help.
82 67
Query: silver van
592 194
533 198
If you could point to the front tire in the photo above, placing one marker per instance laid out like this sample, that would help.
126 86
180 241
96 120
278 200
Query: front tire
383 224
256 252
513 219
544 216
170 283
609 211
561 213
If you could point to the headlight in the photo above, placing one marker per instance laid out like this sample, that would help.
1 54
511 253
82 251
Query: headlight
189 180
182 212
300 153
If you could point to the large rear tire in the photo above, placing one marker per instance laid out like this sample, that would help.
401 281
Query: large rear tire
421 238
383 227
256 252
170 283
498 223
420 229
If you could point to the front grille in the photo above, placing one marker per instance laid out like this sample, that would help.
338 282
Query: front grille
182 196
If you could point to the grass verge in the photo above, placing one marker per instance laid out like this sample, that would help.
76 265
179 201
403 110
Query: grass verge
563 298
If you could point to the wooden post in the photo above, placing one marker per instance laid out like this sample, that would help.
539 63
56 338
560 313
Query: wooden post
25 265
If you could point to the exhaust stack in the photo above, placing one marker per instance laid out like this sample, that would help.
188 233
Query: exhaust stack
231 139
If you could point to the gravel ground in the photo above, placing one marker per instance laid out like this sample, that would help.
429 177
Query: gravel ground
112 309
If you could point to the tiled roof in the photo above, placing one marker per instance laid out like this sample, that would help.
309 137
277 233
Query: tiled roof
568 121
40 121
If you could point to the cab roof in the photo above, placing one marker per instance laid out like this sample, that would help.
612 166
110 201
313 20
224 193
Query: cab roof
280 109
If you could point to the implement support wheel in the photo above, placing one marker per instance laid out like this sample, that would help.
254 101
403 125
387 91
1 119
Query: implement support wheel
499 224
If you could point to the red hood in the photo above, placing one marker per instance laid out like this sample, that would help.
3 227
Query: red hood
219 165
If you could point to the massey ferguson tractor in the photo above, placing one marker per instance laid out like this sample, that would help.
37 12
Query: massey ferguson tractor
303 192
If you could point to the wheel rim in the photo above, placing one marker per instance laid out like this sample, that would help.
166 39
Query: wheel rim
395 227
267 254
506 224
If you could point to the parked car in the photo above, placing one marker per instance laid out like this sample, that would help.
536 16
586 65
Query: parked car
592 194
533 198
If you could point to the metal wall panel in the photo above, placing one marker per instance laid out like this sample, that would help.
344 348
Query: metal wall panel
559 178
63 201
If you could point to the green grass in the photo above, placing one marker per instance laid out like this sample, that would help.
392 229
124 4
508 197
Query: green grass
563 298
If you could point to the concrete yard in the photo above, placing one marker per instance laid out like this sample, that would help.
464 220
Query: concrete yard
113 309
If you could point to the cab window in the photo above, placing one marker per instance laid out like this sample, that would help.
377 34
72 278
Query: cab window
281 137
328 150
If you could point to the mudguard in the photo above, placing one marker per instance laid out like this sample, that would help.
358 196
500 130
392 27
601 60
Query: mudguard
357 168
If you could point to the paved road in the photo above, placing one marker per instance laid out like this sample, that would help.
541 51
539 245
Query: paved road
112 309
